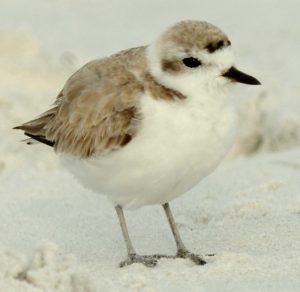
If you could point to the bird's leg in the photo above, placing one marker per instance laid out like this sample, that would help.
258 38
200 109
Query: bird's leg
182 251
151 260
129 246
132 257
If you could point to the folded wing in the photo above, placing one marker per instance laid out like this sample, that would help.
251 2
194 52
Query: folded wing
96 111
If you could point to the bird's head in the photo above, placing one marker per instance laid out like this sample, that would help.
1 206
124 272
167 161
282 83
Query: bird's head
193 55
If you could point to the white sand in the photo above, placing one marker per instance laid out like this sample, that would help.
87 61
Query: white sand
57 236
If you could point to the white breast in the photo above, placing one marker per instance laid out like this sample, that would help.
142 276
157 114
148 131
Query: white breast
179 143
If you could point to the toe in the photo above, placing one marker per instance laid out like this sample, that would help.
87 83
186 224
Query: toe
197 260
149 262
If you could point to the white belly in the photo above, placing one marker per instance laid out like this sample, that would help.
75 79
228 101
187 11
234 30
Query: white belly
178 144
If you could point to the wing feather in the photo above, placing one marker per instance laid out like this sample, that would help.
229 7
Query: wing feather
97 110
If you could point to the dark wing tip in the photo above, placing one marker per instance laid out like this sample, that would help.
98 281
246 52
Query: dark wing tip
41 139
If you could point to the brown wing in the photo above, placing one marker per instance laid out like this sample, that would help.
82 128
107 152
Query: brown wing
96 111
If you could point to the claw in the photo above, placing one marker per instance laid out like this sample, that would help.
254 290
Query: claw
197 259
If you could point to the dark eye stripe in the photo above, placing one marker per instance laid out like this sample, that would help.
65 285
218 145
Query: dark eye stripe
212 47
191 62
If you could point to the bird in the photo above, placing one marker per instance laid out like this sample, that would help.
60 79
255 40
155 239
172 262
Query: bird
145 125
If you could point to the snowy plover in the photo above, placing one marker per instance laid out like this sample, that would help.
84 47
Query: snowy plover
145 125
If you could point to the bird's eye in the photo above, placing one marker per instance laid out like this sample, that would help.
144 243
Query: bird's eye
191 62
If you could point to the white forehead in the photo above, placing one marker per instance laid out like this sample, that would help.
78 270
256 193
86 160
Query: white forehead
222 58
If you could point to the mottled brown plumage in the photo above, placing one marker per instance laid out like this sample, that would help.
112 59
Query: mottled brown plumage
98 108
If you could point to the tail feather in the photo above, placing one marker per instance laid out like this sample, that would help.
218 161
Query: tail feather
36 129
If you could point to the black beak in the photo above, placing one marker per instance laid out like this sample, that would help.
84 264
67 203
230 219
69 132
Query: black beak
238 76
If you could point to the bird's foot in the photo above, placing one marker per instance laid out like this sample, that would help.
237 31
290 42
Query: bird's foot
197 259
147 260
150 261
